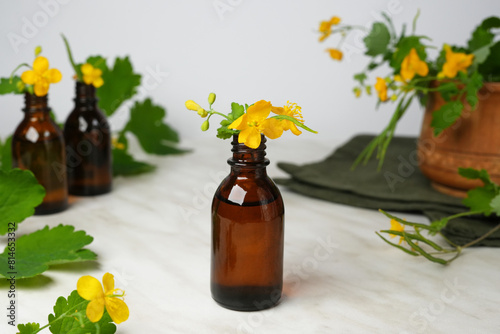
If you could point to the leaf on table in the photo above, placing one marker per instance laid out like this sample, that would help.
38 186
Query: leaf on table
120 84
125 165
223 132
29 328
20 193
377 40
445 116
7 86
36 251
67 324
146 123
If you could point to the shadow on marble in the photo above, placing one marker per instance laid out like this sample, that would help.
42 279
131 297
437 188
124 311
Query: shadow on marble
37 282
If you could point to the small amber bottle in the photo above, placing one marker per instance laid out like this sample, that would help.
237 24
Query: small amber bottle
38 145
247 234
88 145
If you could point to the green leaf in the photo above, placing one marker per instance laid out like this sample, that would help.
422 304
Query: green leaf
6 155
120 84
29 328
448 90
125 165
377 40
479 199
474 83
7 86
404 47
20 193
495 205
491 22
360 77
237 110
480 37
445 116
36 251
62 321
146 123
490 68
474 174
98 62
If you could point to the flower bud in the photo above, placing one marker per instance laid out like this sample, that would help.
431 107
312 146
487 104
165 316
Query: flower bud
368 90
394 97
191 105
202 112
205 125
211 98
20 86
38 50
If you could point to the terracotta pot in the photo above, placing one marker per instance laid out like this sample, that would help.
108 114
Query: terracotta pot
473 141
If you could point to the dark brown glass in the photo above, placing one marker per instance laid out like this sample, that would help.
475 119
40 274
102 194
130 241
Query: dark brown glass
88 145
247 234
38 145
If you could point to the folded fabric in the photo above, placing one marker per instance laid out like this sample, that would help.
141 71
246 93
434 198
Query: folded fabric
398 186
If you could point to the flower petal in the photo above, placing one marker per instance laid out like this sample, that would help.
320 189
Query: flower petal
89 288
29 77
253 139
117 309
53 75
259 111
98 82
273 128
108 281
41 88
294 129
40 65
278 110
95 309
86 69
239 124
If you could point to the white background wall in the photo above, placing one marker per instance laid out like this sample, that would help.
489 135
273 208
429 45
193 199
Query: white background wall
253 50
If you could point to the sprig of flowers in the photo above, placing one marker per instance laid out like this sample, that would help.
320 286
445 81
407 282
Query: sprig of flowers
36 80
483 200
249 122
85 72
89 308
457 73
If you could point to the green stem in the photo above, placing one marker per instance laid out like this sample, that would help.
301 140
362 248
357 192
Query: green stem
218 113
61 316
463 214
481 238
294 121
70 55
18 67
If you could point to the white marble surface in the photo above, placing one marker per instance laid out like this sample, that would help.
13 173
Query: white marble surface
153 233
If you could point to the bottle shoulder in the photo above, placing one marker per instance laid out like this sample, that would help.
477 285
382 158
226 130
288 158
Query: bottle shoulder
245 190
36 129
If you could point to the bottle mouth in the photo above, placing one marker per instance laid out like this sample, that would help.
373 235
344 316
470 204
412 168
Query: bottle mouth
246 157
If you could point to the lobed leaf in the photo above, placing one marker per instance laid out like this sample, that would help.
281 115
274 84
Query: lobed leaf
8 86
124 164
445 116
377 41
20 193
36 251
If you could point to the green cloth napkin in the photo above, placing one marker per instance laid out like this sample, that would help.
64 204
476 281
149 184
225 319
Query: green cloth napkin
398 186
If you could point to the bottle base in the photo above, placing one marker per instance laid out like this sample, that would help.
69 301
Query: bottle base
50 208
246 298
89 191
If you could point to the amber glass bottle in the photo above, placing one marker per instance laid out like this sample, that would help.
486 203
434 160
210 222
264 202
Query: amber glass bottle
247 234
88 145
38 145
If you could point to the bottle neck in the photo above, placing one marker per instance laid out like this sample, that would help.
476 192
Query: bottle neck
36 105
85 96
248 159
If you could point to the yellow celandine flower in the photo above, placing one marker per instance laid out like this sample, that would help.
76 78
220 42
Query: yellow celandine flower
89 288
381 88
92 75
412 64
292 110
41 76
255 122
325 27
455 62
396 226
335 53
